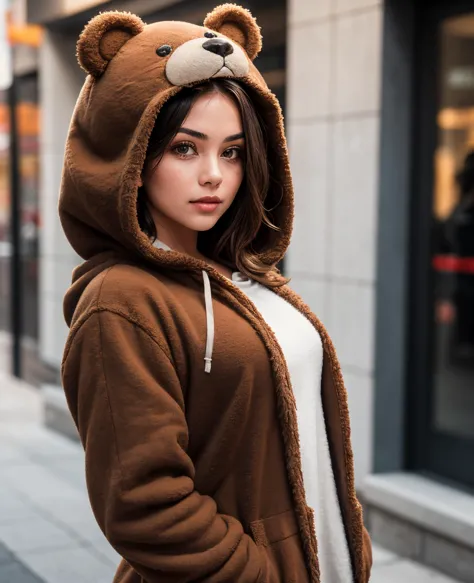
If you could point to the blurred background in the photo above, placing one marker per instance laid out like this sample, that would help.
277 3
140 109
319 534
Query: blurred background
378 100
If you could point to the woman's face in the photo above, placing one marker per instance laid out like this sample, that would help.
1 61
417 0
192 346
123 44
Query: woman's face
201 170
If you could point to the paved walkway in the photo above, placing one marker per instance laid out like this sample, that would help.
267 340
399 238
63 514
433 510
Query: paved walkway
47 531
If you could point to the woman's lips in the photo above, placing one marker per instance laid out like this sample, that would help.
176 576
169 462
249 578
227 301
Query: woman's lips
206 207
207 204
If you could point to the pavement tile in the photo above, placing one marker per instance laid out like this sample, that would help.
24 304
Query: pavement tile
18 400
34 439
38 483
105 552
11 455
72 565
5 555
67 510
71 471
34 534
405 571
14 508
85 527
18 573
381 556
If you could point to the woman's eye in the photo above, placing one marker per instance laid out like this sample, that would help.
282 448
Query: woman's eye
232 153
164 50
183 149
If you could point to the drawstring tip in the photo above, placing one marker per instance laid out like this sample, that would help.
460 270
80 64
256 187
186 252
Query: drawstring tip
209 321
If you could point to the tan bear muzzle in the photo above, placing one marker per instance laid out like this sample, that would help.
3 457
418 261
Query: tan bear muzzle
201 59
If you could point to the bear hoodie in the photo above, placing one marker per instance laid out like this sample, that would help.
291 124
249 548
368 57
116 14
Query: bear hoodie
179 389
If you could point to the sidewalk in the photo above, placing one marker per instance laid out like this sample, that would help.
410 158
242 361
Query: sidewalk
47 531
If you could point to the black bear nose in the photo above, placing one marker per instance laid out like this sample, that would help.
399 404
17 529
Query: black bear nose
219 46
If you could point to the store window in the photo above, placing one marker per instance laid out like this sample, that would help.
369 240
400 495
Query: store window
20 257
442 327
453 212
33 369
28 150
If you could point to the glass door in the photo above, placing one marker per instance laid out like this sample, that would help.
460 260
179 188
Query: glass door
441 347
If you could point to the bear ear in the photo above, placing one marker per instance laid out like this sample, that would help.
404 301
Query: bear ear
238 24
103 37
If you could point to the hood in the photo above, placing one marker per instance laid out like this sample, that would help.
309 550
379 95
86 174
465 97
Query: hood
133 69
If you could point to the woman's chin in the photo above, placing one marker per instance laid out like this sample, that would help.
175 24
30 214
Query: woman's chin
204 223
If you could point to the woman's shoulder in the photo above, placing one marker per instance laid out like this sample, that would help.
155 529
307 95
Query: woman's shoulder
131 276
127 289
123 302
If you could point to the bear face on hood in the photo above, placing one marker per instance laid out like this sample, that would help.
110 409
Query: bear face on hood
133 69
232 40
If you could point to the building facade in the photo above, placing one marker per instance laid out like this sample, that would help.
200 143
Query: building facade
379 106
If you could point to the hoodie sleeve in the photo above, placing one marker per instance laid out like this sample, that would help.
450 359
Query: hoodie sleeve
127 403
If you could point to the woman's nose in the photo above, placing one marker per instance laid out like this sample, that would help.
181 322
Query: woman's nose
211 173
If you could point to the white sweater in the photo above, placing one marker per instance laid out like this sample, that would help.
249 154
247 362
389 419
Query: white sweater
303 351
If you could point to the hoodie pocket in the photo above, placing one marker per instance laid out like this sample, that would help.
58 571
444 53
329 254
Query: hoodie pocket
274 529
279 535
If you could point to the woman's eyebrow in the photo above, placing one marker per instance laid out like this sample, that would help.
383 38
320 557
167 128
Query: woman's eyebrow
201 136
193 133
238 136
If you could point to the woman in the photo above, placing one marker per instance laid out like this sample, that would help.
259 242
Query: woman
208 397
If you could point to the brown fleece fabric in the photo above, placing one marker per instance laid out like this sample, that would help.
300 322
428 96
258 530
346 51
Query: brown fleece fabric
103 39
238 24
191 476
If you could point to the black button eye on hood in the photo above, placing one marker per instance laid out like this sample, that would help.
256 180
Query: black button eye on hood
164 50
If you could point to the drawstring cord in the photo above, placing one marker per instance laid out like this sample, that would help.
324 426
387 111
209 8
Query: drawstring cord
209 311
210 322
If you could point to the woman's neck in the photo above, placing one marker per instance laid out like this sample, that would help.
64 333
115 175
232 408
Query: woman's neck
185 241
177 237
189 247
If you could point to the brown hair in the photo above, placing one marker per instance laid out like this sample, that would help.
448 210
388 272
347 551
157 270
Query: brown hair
230 240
